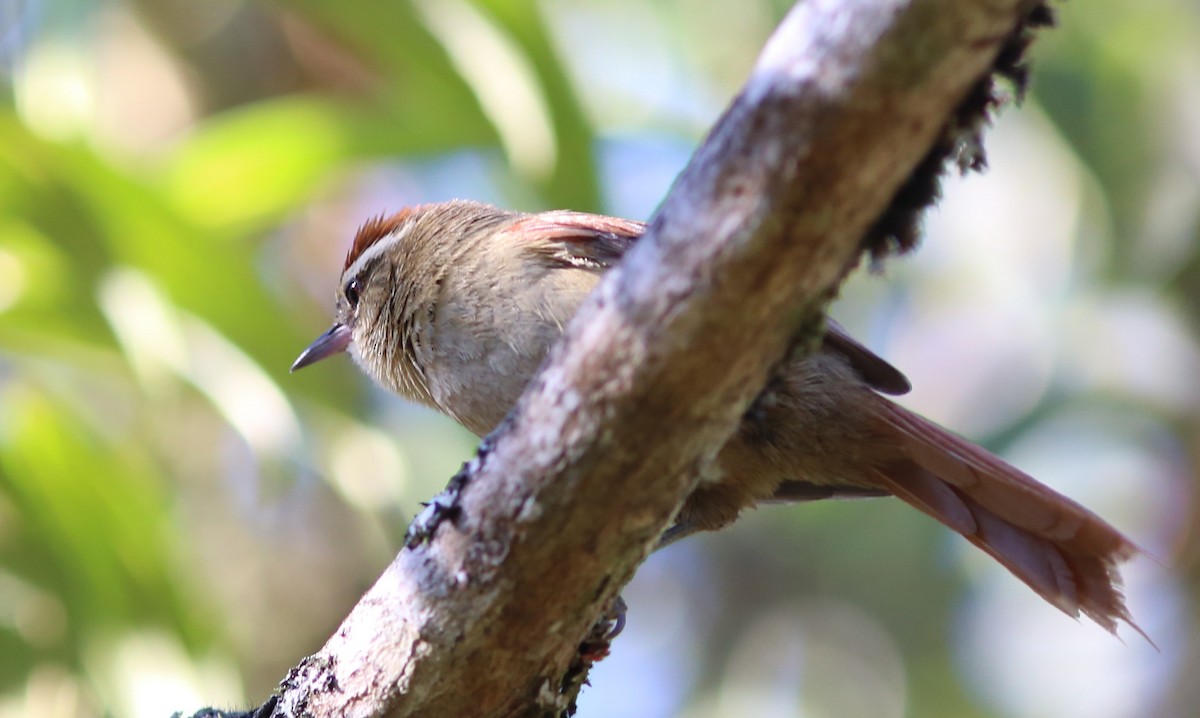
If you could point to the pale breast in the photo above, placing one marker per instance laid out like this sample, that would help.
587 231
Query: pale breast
483 353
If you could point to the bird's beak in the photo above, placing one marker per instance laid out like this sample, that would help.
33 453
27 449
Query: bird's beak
331 342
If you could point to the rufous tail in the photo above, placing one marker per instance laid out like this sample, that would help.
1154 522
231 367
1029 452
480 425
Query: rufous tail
1066 553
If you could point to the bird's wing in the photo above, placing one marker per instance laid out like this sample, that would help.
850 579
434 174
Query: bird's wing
589 241
873 369
576 239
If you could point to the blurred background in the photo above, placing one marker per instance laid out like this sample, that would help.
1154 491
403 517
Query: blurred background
181 520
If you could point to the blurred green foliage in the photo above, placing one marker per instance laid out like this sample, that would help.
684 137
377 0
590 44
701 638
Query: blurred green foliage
177 182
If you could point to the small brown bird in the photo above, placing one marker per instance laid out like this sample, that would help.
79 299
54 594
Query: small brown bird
454 306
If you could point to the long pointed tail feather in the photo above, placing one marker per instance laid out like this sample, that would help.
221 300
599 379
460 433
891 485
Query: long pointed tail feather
1063 551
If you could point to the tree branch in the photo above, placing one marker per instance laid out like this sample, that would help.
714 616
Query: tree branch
483 614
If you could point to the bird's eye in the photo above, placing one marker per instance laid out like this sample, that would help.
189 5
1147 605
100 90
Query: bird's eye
351 292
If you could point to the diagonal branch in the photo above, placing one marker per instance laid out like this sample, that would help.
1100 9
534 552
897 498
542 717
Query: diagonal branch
484 612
